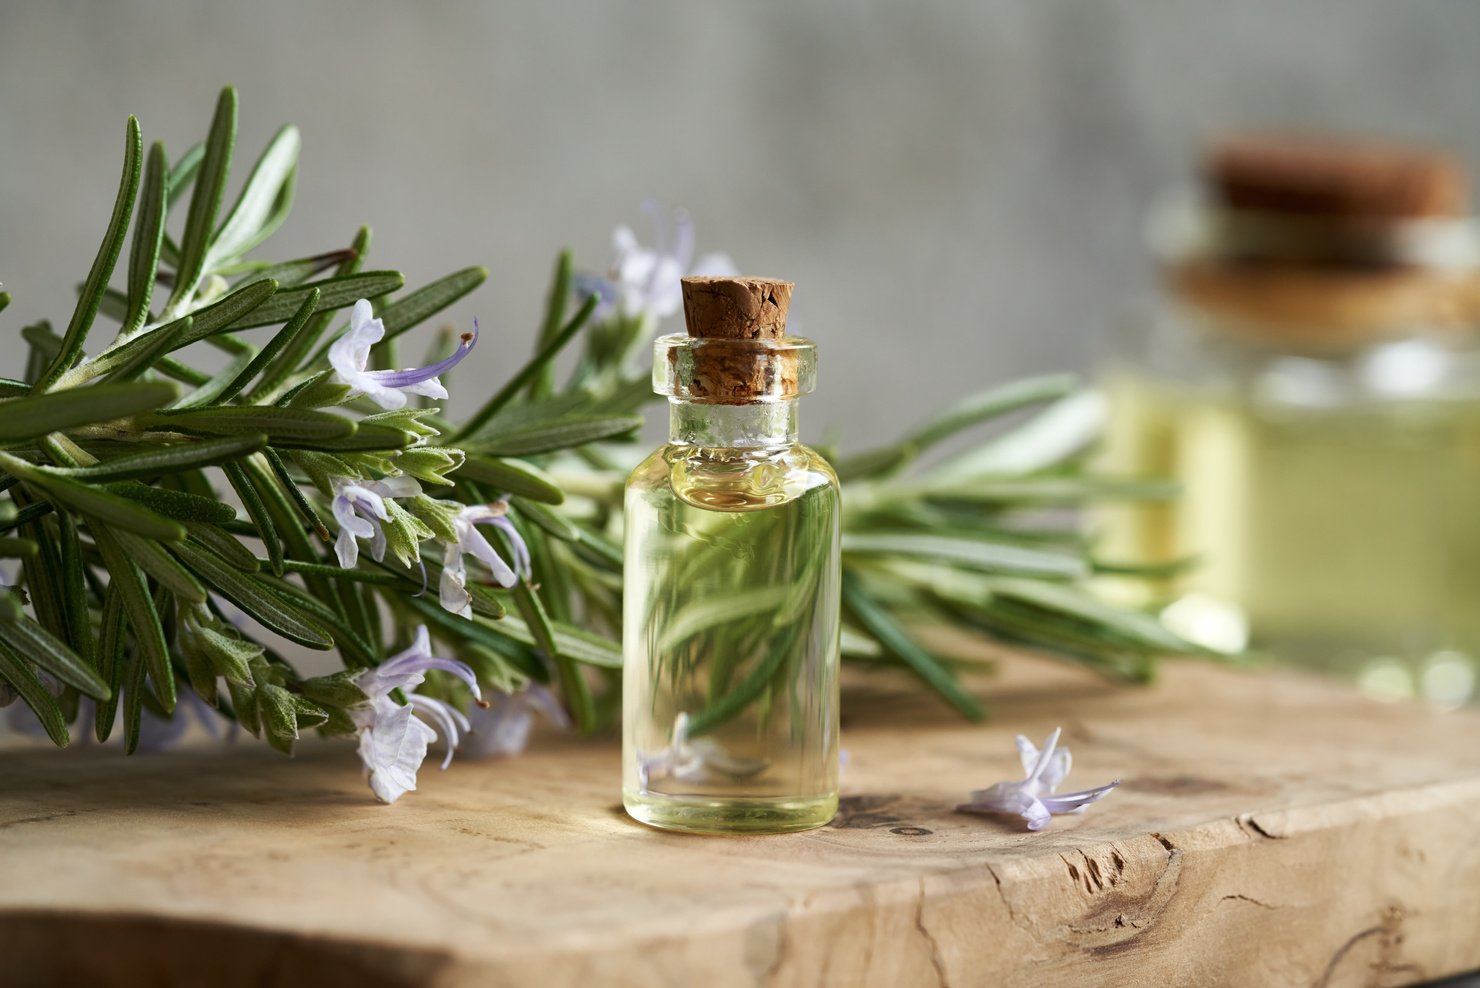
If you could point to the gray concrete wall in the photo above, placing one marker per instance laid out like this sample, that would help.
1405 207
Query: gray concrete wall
955 186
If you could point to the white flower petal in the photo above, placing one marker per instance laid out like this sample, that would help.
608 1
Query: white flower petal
1027 753
1058 767
478 546
360 528
430 388
452 588
393 750
391 399
445 717
346 548
362 318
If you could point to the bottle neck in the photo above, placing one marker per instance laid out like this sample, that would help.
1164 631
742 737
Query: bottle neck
761 423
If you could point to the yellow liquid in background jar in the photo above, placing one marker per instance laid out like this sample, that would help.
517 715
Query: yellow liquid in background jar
731 629
1344 535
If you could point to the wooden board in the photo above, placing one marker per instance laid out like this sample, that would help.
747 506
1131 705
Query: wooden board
1271 830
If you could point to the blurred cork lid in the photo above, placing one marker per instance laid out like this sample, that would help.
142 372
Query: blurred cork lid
1315 241
1337 178
1328 307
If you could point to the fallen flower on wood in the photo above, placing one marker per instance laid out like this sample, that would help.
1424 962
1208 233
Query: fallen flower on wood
1033 797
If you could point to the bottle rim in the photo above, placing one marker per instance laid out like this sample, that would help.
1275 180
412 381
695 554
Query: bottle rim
749 370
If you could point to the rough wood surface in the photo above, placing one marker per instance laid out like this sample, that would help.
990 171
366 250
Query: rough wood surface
1271 831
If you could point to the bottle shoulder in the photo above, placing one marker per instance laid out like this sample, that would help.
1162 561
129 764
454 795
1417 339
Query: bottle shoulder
734 478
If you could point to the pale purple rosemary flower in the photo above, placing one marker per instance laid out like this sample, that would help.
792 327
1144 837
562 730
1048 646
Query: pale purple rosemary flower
1033 798
359 508
645 282
502 727
676 760
453 588
350 354
393 739
693 761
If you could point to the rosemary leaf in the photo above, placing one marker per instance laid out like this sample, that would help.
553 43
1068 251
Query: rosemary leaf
973 553
34 642
22 677
150 463
281 426
542 383
154 561
545 437
511 476
148 236
143 616
334 293
180 506
551 521
264 201
257 511
877 622
58 411
247 591
420 305
205 202
150 356
79 635
112 662
219 541
102 268
101 504
280 341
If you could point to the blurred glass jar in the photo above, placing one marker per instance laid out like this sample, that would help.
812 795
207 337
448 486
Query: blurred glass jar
1312 380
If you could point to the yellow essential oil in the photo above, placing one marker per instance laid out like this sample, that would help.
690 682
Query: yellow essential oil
731 590
1337 535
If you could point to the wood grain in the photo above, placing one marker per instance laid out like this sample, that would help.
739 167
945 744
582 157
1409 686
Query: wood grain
1271 830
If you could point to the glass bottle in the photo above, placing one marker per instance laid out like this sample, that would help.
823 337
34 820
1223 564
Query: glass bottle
731 589
1313 383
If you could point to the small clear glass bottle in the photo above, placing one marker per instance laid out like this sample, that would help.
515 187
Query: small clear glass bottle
1312 381
731 589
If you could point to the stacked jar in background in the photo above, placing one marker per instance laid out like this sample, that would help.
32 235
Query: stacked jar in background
1312 380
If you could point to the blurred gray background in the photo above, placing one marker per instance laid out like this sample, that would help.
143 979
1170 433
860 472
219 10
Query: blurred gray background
956 187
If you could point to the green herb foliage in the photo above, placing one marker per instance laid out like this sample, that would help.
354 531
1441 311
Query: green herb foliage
172 526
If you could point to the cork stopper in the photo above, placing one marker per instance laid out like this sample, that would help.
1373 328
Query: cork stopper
737 350
736 308
1334 178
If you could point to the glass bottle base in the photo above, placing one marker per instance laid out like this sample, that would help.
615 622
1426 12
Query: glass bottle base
719 815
